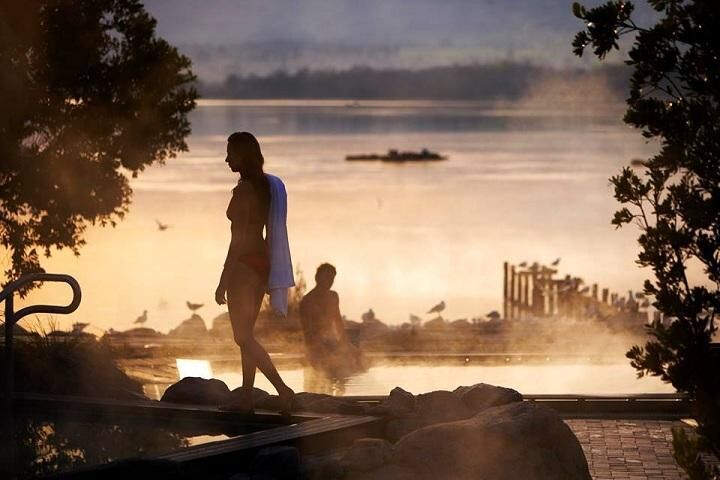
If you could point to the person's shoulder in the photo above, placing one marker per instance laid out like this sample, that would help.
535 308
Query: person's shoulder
243 189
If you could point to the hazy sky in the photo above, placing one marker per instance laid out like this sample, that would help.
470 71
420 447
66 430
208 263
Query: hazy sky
257 36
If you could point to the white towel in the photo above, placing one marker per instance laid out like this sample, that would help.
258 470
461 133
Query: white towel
281 269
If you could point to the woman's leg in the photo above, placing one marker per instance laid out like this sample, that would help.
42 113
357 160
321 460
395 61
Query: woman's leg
244 300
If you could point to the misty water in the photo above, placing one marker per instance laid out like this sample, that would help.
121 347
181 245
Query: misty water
522 183
537 375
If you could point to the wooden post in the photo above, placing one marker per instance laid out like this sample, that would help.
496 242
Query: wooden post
505 290
526 294
605 293
594 291
513 290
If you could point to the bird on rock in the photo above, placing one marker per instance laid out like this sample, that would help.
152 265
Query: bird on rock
142 318
193 306
437 308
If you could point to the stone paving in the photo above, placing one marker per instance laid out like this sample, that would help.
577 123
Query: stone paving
628 449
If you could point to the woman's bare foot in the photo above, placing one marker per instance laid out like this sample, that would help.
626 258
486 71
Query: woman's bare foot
286 396
241 402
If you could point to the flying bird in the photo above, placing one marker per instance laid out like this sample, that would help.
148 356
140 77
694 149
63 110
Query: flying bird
193 306
161 226
556 262
142 318
437 308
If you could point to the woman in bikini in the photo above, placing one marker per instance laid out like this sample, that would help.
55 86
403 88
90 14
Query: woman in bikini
245 275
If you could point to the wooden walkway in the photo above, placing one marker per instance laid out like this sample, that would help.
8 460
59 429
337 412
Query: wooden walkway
623 438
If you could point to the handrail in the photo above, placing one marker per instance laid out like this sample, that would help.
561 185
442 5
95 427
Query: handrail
7 457
12 317
12 287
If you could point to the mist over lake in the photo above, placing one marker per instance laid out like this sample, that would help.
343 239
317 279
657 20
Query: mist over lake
522 183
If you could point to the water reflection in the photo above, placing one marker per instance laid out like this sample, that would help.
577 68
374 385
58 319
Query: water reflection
544 377
44 447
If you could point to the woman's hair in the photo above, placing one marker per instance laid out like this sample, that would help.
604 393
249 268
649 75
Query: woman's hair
253 168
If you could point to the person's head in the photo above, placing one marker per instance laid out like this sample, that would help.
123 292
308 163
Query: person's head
244 155
325 276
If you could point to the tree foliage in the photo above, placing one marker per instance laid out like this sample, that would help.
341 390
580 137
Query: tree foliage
89 95
674 99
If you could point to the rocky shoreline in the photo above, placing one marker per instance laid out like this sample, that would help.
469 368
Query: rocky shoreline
478 431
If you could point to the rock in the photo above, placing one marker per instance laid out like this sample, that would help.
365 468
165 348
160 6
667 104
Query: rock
397 428
259 396
367 454
193 327
198 391
481 396
512 441
221 326
303 400
321 467
397 404
322 403
440 406
276 463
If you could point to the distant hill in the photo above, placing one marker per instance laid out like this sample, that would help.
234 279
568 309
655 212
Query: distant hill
256 37
501 81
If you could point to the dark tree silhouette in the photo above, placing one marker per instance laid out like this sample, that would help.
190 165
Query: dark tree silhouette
89 95
675 99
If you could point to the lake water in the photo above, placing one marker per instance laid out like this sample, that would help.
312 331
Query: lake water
521 184
537 376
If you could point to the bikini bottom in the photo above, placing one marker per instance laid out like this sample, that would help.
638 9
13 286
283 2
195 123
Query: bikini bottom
259 263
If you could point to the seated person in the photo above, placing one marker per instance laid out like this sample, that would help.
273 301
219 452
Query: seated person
327 345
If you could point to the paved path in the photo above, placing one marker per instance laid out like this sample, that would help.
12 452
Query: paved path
628 449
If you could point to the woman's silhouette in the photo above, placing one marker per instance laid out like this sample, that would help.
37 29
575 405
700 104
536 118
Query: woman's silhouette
244 277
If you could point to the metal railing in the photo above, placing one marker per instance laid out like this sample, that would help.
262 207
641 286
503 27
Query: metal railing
12 317
8 467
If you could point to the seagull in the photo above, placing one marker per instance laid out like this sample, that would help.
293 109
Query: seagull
584 290
415 319
193 306
556 262
523 264
142 318
437 308
493 315
161 226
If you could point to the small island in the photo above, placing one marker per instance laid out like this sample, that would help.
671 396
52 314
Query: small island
393 155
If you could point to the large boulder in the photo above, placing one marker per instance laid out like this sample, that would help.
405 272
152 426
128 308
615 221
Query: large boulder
516 440
197 391
481 396
367 454
430 408
259 396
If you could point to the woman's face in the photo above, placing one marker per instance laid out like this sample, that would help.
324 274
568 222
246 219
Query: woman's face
235 158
